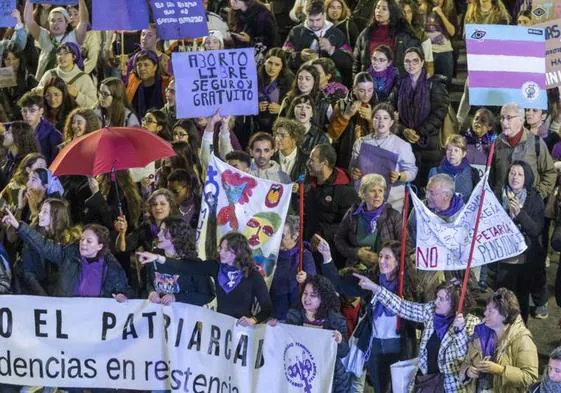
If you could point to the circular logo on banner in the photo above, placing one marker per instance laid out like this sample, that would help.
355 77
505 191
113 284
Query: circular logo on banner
299 366
530 91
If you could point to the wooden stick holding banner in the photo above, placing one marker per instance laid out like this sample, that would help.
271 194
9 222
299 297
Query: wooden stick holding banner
301 214
475 229
403 246
123 62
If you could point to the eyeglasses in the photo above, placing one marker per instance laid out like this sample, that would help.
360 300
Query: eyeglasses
170 90
147 120
508 117
62 52
104 94
412 61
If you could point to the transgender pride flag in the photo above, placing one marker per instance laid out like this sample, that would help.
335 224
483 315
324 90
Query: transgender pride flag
506 64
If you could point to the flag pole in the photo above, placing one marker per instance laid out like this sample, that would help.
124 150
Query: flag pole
475 229
301 237
403 246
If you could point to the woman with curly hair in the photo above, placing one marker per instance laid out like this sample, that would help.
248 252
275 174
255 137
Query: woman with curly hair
165 284
239 283
58 103
113 107
36 276
19 140
80 121
319 307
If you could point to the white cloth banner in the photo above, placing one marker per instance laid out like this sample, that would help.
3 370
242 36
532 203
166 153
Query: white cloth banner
99 343
442 245
237 201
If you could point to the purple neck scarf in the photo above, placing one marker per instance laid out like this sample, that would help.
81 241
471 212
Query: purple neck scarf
369 216
487 339
456 204
271 92
441 324
390 285
384 80
451 170
91 277
413 104
472 139
229 277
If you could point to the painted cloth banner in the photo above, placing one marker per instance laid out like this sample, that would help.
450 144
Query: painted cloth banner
99 343
7 77
506 64
552 31
545 10
6 8
224 80
176 20
445 246
237 201
119 15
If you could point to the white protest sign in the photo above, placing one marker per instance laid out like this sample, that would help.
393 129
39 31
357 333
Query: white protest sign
445 246
7 77
99 343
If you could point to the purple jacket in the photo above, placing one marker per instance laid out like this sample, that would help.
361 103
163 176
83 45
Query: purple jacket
49 138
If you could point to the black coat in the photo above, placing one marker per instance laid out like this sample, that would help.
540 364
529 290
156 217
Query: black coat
361 57
69 262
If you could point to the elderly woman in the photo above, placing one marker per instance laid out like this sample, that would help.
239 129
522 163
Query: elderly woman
502 356
368 224
479 138
383 141
284 288
444 339
551 380
525 206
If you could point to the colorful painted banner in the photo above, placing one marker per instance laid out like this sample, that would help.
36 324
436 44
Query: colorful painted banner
138 345
552 31
120 15
442 245
224 80
545 10
506 64
237 201
176 19
6 8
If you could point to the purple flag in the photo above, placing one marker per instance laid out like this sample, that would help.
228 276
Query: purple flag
6 8
176 20
120 15
373 159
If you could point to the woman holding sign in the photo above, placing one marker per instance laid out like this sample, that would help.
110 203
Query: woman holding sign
444 339
239 281
525 206
384 141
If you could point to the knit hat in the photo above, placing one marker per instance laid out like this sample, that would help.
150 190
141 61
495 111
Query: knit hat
75 50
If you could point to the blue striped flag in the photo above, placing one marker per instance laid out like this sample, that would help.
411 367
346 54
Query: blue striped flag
506 64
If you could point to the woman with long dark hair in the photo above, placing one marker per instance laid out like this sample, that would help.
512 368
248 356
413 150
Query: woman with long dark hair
389 27
113 106
19 140
275 79
422 103
239 283
58 102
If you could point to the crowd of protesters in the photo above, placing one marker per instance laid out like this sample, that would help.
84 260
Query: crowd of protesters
335 78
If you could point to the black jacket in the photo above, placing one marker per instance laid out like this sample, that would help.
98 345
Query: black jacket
429 149
69 262
361 57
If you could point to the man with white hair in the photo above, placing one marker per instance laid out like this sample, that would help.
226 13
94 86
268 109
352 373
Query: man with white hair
517 143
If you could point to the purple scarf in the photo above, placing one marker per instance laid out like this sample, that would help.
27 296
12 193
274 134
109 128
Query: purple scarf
449 169
414 104
472 139
271 92
390 285
370 217
441 324
487 337
229 277
456 204
383 81
333 88
91 278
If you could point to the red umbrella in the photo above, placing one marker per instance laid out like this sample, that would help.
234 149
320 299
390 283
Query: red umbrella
110 149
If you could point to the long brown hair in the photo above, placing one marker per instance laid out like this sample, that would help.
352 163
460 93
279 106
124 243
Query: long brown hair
61 229
116 112
130 193
240 246
92 123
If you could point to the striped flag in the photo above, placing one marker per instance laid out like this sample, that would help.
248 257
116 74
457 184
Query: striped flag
506 64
